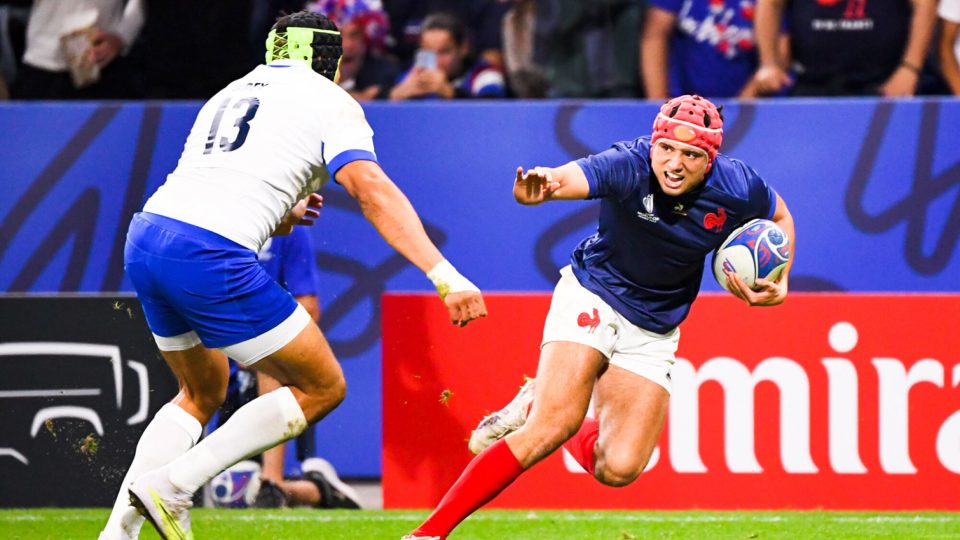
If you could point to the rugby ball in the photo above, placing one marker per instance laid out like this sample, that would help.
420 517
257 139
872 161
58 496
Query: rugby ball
236 487
758 249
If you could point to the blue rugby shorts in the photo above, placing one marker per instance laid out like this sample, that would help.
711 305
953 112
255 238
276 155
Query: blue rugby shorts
191 280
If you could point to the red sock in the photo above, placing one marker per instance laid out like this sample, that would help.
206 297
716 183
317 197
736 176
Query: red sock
483 479
581 446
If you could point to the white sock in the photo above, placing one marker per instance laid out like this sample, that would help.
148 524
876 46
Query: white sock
261 424
172 432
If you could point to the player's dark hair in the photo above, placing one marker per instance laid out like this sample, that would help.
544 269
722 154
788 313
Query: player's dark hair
448 22
327 47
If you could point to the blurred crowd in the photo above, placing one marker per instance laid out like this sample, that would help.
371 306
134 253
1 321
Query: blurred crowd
463 49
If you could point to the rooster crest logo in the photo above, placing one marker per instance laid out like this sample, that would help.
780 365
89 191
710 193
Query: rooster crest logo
586 321
715 222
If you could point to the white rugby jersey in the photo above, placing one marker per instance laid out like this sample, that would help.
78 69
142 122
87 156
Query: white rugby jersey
261 144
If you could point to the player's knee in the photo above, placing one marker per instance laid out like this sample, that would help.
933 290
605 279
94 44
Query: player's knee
324 398
619 470
337 391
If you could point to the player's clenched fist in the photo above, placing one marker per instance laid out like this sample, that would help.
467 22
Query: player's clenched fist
462 298
465 307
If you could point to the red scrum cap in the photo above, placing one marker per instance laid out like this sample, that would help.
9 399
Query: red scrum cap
690 120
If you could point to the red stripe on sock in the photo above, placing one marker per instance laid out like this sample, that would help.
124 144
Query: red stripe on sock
484 478
581 446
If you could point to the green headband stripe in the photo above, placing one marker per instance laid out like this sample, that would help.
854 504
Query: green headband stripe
299 45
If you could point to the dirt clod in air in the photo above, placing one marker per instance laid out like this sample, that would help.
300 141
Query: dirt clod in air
89 445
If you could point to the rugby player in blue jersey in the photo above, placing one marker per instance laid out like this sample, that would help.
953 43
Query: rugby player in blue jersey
612 330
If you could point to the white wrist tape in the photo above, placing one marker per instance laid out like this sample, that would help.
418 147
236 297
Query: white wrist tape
447 280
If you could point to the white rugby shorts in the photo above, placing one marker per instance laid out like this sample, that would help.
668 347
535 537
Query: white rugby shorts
579 316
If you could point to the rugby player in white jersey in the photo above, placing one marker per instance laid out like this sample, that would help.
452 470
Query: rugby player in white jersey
257 152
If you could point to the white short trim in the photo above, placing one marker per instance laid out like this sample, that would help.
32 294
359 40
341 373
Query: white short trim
181 342
254 349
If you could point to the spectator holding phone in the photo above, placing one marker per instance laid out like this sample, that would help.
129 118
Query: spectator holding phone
443 67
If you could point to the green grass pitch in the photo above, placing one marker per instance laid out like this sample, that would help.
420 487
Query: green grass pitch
50 523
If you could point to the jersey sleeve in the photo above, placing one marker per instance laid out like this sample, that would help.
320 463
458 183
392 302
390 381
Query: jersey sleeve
348 138
761 198
298 266
615 172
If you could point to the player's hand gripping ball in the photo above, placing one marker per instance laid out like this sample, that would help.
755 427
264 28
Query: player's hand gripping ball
758 249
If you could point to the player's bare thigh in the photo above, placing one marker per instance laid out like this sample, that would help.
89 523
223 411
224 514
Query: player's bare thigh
565 378
631 410
202 374
307 365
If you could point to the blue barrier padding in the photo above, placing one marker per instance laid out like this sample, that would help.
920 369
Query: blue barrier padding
874 187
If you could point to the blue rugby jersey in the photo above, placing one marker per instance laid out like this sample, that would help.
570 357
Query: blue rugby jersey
289 261
646 258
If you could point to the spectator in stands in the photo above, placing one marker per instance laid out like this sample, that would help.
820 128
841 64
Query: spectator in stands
75 49
364 71
482 18
703 47
949 46
525 78
444 69
589 49
851 47
289 261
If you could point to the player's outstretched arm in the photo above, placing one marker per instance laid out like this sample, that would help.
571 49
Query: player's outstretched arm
769 293
541 184
390 212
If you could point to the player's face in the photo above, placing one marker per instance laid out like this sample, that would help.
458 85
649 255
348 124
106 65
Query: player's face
679 167
354 47
449 54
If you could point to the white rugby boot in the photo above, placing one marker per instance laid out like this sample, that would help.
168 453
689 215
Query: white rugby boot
164 505
412 537
503 422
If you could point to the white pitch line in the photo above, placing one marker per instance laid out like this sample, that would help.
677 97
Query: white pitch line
643 518
50 393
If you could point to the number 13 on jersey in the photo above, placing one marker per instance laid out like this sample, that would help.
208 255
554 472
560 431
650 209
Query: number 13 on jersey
242 112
